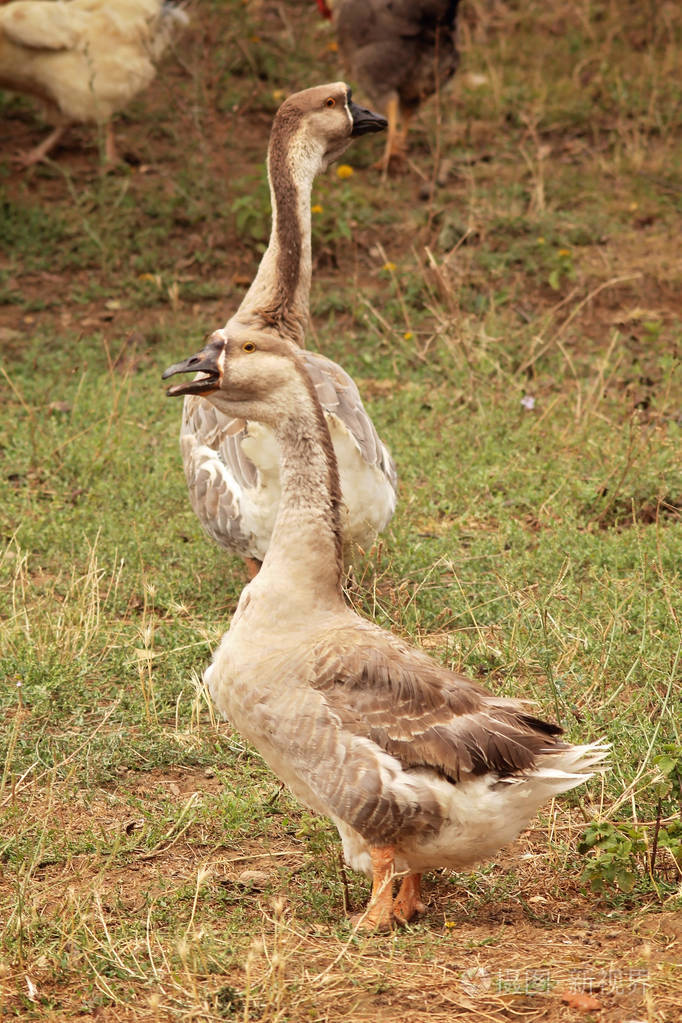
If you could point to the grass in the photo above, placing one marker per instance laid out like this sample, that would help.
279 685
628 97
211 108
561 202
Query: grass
516 335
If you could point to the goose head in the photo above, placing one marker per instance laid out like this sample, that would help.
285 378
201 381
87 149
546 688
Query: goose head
316 126
246 374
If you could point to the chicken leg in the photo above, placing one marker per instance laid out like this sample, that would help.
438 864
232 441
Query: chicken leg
38 153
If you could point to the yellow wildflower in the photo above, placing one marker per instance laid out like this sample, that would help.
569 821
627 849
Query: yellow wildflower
541 241
316 208
345 171
389 266
564 252
408 335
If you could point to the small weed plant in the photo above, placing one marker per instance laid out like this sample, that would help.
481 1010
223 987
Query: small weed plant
625 853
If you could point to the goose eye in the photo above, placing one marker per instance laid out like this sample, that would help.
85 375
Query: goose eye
248 346
330 102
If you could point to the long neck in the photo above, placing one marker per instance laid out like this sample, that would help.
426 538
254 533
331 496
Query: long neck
305 552
279 296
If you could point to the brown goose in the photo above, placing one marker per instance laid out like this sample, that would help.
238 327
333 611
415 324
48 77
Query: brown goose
400 52
231 465
417 766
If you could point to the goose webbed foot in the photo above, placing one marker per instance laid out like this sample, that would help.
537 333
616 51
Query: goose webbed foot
379 913
383 911
408 903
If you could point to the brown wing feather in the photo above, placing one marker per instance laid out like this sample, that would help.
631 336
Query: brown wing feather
216 480
424 714
350 777
213 429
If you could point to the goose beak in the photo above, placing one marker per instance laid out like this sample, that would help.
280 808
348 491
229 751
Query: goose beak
208 362
365 121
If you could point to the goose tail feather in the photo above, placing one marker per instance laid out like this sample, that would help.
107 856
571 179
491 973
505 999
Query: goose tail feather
560 771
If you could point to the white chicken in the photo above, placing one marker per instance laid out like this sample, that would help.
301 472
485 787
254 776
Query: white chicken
84 59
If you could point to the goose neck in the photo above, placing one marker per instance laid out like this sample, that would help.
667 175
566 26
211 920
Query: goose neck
305 554
280 294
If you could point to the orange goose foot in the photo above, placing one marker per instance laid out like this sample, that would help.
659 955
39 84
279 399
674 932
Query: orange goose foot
408 903
379 913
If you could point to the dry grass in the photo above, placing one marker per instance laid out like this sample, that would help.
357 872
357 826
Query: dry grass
517 949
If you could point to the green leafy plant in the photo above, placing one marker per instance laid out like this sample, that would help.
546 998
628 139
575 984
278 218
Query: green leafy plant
251 210
670 838
617 847
668 788
622 851
669 782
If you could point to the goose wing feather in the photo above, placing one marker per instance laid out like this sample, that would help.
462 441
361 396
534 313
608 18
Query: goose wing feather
217 470
425 714
387 42
223 480
86 58
374 20
339 396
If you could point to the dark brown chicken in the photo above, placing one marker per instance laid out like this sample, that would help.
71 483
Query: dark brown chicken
400 52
